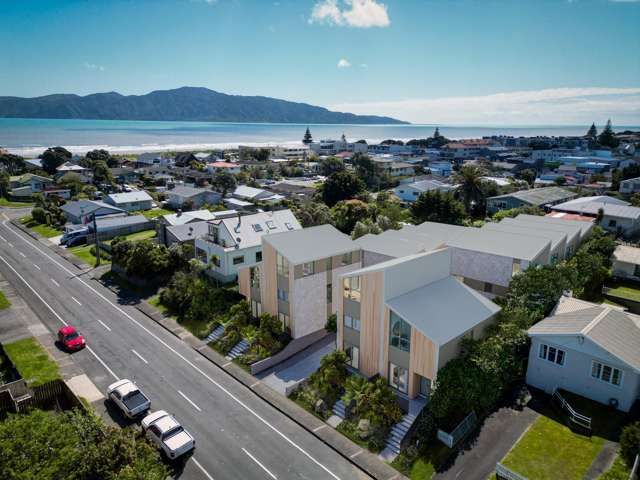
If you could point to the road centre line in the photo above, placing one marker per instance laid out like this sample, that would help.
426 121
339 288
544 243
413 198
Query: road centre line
139 356
55 283
258 462
76 300
189 400
104 325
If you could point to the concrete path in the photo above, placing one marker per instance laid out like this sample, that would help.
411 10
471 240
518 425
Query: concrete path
603 461
497 435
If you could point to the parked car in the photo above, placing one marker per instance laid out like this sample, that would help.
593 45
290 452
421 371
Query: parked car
165 431
70 338
129 398
75 237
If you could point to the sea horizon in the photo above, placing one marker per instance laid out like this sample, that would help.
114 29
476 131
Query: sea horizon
30 137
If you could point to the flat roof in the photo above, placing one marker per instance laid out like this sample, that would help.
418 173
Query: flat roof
313 243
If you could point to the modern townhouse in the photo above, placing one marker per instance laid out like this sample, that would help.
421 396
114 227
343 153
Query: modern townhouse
558 238
405 318
297 279
235 242
582 226
589 349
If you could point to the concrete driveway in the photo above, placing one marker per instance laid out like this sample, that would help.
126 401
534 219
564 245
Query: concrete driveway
298 367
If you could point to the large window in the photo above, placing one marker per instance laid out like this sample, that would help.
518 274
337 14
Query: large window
259 256
254 275
283 295
351 288
515 267
606 373
285 320
353 323
256 309
307 269
398 378
347 258
353 353
551 354
201 255
399 333
282 265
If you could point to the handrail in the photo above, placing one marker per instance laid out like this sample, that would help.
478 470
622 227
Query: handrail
576 417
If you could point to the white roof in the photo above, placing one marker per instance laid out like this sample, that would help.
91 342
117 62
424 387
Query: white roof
127 197
398 243
556 236
427 185
624 253
592 208
311 243
595 198
443 310
186 217
247 231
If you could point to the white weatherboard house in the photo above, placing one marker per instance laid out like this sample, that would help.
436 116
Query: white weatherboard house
626 262
410 192
236 242
589 349
130 201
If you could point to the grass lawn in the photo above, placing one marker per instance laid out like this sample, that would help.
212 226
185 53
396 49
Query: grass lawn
4 301
424 466
32 361
198 328
626 290
8 203
618 471
135 237
83 252
154 213
45 230
550 450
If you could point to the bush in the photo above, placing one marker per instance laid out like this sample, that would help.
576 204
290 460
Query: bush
103 255
228 341
329 379
630 443
332 323
39 215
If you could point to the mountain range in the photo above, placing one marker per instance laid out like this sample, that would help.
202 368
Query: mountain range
180 104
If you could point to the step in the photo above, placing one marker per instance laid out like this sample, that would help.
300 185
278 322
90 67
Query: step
215 334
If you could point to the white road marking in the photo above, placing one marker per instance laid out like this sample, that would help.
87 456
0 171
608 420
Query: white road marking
55 283
261 465
10 244
189 400
58 316
139 356
2 238
36 266
166 345
23 255
209 477
76 300
254 384
317 429
356 454
104 325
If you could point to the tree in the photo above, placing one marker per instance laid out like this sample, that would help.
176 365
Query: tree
341 186
367 170
5 182
100 155
635 199
560 181
630 443
223 182
72 181
607 137
347 213
307 139
592 133
470 180
514 212
312 214
74 446
331 165
365 227
436 206
101 173
528 175
13 164
53 157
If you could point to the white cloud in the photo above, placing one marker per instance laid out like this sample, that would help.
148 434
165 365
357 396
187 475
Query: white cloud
344 63
351 13
364 65
93 67
554 106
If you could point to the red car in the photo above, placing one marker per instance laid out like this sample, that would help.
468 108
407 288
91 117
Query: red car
71 339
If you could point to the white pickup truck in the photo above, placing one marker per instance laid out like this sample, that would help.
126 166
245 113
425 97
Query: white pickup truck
165 431
128 397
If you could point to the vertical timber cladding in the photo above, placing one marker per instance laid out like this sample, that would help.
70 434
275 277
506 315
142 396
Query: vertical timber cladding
244 278
371 288
422 360
270 280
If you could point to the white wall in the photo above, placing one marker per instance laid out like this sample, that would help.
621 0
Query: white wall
308 304
422 270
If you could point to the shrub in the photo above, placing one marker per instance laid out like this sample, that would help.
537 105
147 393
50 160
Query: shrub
630 443
230 339
39 215
332 323
378 404
329 379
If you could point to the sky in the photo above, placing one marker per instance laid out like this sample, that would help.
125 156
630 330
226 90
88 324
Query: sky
455 62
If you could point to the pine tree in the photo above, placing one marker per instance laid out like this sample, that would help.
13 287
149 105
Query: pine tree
436 134
307 139
592 132
607 138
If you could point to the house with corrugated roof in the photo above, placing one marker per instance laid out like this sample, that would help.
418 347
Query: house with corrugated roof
544 198
588 349
618 216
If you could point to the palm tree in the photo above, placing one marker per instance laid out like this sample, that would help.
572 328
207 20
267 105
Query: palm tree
470 183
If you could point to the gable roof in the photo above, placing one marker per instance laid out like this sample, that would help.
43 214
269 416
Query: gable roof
86 207
443 310
187 192
539 196
592 208
427 185
27 177
571 228
188 231
627 254
187 217
613 330
397 243
556 236
311 243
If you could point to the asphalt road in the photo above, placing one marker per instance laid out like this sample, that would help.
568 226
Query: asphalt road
238 435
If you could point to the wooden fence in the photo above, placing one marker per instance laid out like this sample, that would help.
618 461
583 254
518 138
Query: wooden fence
17 396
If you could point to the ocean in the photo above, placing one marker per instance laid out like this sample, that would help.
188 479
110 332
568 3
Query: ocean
29 137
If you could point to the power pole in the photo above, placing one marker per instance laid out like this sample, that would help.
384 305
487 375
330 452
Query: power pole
95 232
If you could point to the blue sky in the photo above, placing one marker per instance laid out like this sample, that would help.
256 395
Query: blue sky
446 61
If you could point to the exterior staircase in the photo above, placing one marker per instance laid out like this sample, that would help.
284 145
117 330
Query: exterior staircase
398 432
215 334
339 409
240 347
